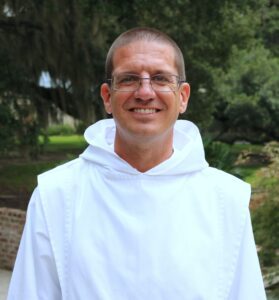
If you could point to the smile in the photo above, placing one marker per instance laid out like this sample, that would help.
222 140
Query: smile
145 110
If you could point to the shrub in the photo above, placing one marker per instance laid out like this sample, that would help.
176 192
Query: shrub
266 217
266 227
8 125
219 155
80 128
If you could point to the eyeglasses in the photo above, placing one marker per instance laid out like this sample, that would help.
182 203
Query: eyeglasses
132 82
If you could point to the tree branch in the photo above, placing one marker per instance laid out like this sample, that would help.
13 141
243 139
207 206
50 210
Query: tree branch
13 24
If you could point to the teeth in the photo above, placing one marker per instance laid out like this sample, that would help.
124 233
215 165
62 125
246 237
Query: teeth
145 110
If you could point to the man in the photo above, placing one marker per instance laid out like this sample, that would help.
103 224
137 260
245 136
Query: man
139 215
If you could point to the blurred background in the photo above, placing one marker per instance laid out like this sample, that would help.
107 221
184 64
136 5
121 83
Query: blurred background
52 56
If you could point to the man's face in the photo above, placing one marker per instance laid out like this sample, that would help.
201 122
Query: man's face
145 113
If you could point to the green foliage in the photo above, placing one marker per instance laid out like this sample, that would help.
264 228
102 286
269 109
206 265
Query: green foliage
273 294
272 150
266 217
80 128
266 227
19 129
269 29
27 130
219 155
249 89
8 125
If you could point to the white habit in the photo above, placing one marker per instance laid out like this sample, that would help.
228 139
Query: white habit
99 229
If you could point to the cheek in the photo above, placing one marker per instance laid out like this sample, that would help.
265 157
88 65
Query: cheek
115 106
121 102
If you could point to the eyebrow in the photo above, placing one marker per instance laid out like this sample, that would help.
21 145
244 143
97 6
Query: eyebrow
151 74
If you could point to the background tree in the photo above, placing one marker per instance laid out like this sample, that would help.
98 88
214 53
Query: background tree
68 40
247 86
249 106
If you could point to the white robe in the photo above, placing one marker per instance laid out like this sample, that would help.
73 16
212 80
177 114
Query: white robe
99 229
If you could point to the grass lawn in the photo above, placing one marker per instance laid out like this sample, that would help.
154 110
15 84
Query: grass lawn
65 143
18 175
22 177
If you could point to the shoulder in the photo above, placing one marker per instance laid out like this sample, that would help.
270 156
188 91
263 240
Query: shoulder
228 186
60 173
66 176
223 177
58 187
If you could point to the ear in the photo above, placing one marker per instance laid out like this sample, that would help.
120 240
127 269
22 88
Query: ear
106 96
184 94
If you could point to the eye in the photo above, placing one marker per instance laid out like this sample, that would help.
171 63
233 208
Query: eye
126 79
162 79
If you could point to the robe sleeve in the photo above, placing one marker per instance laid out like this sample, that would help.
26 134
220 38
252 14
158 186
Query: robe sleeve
35 273
248 281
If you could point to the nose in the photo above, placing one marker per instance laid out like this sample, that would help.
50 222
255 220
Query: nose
145 91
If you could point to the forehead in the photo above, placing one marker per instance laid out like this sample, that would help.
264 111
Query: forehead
144 56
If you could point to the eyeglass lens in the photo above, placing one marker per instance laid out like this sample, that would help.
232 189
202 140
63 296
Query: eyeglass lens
131 82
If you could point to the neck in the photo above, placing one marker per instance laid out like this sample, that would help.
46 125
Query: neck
143 156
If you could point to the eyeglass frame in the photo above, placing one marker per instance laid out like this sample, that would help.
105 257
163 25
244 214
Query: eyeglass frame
178 82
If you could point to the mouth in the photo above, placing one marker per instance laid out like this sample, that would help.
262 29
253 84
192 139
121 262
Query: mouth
145 110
